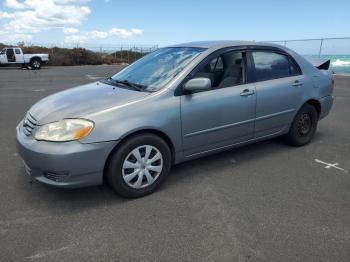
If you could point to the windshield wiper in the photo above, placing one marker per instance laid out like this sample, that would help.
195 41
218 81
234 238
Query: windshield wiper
133 85
126 83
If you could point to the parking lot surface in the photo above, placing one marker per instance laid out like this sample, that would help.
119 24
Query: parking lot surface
262 202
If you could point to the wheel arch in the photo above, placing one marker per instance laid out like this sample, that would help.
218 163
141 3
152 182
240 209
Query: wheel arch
315 103
153 131
35 58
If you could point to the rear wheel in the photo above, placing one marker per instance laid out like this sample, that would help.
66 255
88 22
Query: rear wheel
139 165
35 63
303 127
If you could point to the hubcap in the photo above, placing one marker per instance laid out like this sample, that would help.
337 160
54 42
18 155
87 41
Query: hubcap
142 166
36 64
304 125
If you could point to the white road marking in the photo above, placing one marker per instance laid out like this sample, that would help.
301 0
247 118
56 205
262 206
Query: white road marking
50 252
38 90
329 165
91 77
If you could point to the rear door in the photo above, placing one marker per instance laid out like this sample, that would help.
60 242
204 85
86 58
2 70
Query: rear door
279 85
225 114
19 55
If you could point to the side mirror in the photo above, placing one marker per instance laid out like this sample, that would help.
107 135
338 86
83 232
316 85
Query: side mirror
198 84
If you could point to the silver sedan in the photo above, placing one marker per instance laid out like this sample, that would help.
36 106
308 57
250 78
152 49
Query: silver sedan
175 104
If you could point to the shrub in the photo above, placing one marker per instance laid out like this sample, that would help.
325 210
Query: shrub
80 56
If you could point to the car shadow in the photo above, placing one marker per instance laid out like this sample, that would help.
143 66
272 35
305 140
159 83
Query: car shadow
86 198
204 166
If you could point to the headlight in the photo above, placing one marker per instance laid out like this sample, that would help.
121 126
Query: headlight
64 130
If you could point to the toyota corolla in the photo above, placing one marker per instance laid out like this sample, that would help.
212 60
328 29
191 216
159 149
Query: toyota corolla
175 104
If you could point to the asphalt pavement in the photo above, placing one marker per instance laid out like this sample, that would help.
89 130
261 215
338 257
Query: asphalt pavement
263 202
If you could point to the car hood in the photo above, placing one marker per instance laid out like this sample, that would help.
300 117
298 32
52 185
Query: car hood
81 101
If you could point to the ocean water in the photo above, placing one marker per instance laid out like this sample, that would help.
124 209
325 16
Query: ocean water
340 64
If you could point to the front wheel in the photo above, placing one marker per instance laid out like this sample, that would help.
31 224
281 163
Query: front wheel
303 127
139 165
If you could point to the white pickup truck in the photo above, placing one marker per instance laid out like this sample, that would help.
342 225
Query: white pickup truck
13 56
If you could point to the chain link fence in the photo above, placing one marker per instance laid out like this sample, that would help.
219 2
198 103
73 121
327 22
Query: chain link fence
335 49
318 46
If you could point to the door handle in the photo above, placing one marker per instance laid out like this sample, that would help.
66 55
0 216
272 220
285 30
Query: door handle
247 92
297 83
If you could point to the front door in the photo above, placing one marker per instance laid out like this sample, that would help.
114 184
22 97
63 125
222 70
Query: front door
224 115
3 57
10 54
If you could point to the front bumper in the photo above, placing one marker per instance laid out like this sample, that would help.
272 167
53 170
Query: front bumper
67 164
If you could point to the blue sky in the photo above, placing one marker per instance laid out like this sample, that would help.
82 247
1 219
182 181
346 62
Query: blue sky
166 22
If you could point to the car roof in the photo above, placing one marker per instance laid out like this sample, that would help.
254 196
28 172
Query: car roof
223 44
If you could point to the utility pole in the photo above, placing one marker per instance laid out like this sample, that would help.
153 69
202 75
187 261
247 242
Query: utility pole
320 51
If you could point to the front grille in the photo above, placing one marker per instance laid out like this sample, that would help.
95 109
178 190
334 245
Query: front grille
29 123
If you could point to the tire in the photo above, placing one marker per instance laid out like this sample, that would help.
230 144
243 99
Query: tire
124 172
35 63
303 127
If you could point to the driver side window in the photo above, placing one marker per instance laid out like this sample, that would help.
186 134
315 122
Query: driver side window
9 51
224 70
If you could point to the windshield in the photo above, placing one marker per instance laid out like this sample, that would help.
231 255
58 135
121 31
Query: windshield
156 69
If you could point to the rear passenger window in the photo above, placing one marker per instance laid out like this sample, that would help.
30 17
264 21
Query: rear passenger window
269 65
17 51
9 51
